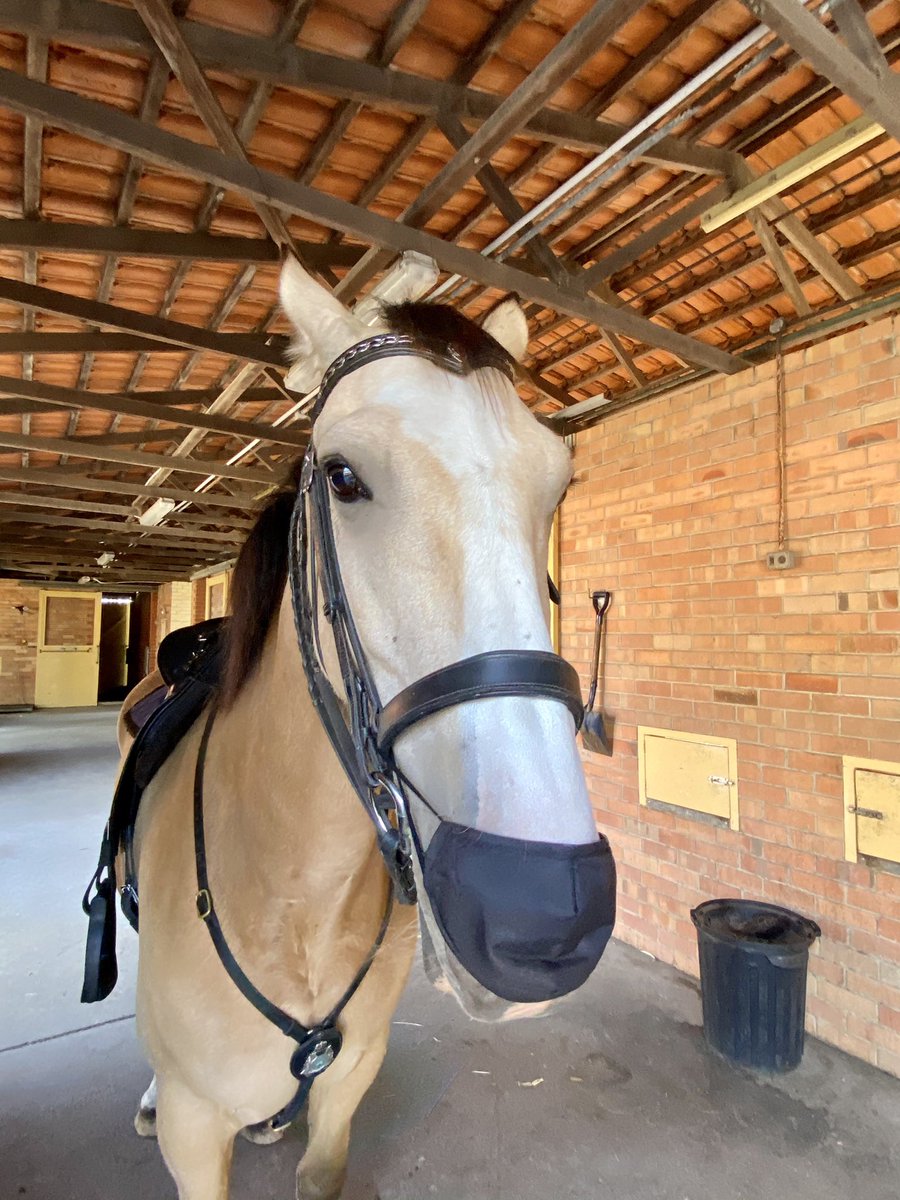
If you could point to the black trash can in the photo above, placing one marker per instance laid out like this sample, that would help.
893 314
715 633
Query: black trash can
753 964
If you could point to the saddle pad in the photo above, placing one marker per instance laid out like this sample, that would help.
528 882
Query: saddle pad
139 714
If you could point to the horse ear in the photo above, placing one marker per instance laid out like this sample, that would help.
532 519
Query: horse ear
323 327
509 326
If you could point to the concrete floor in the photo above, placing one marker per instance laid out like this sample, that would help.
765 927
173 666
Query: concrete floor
622 1100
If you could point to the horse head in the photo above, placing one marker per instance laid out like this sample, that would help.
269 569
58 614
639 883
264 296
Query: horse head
442 487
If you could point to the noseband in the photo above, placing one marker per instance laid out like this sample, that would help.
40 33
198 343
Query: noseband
362 730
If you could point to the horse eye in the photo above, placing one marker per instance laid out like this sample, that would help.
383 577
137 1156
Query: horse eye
345 483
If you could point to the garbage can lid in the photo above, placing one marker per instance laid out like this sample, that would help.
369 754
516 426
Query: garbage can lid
755 924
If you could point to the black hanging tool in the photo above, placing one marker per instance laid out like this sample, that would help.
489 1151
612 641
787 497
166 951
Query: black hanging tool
594 730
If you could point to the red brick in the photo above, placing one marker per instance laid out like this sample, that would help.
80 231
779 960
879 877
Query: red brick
697 613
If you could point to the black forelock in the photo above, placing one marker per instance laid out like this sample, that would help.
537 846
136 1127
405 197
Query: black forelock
433 325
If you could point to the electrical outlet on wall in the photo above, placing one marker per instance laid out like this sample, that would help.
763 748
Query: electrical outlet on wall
781 560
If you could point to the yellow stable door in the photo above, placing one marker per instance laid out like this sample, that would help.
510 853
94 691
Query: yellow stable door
68 655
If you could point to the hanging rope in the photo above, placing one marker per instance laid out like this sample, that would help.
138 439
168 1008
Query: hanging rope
777 328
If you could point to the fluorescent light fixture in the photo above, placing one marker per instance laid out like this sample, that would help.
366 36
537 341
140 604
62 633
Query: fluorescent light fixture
410 278
844 141
157 512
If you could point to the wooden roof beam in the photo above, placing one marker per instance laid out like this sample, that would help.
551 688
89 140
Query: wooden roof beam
857 33
135 458
157 329
108 341
134 407
32 500
125 241
154 90
99 121
157 15
403 20
580 44
780 264
875 89
537 251
89 22
494 36
118 487
36 55
205 539
245 126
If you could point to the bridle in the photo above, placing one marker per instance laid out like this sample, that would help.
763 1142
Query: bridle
362 730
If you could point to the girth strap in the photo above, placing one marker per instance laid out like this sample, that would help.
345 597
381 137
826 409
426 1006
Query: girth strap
529 674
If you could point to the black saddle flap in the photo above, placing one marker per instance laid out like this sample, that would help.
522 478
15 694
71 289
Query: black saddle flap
191 659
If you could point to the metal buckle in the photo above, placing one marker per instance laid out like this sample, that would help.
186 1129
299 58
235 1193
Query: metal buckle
394 843
129 901
204 904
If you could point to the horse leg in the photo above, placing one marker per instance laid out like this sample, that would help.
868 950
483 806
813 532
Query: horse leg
334 1099
196 1140
145 1118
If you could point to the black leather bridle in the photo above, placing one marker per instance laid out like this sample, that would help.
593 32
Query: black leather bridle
362 730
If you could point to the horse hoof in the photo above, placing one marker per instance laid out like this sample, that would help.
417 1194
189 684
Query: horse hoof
262 1134
145 1122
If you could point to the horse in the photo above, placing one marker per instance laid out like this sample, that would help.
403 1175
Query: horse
437 486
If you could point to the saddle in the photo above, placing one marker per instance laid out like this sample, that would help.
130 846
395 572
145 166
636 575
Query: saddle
189 661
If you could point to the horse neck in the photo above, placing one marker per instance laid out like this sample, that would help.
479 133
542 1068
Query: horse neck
279 804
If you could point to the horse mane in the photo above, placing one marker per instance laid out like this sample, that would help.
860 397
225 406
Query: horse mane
260 574
257 585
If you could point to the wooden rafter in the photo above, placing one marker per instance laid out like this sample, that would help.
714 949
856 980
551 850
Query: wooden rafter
133 457
122 240
135 407
89 341
875 89
157 329
117 129
84 483
582 41
268 60
133 532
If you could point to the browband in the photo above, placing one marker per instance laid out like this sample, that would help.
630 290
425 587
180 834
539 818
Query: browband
385 345
532 674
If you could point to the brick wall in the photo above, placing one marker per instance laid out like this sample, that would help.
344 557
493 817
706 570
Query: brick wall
199 601
674 513
18 642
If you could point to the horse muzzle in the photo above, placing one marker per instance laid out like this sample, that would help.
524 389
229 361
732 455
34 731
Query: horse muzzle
528 920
